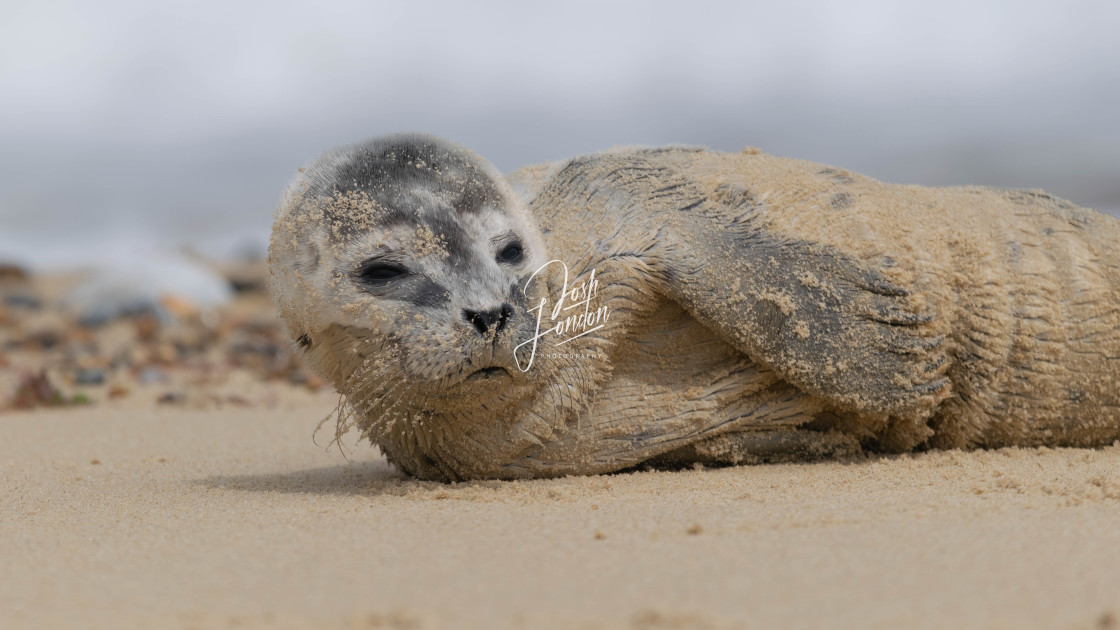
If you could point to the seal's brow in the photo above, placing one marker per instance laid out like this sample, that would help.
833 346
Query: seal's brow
504 237
387 255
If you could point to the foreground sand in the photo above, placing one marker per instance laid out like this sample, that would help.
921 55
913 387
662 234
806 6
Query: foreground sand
175 518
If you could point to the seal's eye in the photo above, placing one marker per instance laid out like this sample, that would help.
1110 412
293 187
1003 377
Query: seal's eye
378 272
512 253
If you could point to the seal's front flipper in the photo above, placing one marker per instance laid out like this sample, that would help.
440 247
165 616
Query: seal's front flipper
823 320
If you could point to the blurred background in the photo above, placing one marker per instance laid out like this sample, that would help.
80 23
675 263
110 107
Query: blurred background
130 126
144 145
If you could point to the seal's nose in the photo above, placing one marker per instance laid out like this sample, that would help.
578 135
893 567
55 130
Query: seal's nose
483 320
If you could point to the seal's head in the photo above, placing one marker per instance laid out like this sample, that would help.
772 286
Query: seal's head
399 266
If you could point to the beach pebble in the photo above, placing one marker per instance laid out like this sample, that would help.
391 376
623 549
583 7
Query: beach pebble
89 377
22 300
147 376
172 398
11 272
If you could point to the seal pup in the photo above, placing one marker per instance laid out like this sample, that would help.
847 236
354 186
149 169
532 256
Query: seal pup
735 308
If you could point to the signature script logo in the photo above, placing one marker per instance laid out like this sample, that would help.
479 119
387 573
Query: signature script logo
570 326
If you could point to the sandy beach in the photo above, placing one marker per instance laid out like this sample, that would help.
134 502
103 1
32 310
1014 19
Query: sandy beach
149 516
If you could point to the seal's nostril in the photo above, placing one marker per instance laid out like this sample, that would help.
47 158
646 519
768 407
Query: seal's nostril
504 315
483 320
477 320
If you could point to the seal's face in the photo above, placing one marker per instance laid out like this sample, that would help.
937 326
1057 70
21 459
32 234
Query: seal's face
400 267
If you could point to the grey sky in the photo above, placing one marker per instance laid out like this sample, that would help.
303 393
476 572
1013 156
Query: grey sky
127 122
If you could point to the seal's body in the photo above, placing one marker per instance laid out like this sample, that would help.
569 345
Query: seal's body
736 308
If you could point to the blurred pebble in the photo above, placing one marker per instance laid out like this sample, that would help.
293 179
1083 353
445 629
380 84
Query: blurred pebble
148 376
177 306
20 300
35 390
172 398
13 272
147 325
45 339
89 377
167 353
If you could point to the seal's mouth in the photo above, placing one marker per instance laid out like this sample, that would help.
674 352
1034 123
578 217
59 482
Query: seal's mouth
494 371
